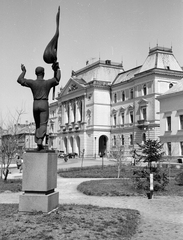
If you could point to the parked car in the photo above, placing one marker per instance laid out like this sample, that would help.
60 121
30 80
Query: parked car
61 154
72 155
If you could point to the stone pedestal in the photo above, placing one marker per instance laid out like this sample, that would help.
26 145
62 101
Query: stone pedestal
39 182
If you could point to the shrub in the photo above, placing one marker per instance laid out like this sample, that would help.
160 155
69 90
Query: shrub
142 179
179 178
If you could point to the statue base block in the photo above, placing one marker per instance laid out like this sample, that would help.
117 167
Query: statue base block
30 202
39 181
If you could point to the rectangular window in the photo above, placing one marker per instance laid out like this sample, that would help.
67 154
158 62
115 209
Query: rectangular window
122 118
131 116
169 147
144 113
115 98
131 93
181 148
114 141
131 139
52 127
168 123
122 140
114 119
144 89
123 96
181 122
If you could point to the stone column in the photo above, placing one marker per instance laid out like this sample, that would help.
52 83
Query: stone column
65 114
69 145
74 145
83 111
77 114
74 111
79 109
71 112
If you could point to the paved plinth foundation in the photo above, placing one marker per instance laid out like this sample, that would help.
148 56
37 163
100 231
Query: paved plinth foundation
39 182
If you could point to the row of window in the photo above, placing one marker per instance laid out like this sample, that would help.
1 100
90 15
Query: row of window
120 140
143 116
131 94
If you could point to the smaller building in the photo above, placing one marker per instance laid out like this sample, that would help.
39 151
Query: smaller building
19 137
171 121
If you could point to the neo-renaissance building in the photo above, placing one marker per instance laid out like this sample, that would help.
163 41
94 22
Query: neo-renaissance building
102 106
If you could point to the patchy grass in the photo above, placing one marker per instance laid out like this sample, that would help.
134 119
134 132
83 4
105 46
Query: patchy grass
110 171
108 187
13 185
124 187
68 222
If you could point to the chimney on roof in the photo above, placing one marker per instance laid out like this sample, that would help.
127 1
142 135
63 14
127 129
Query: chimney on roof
108 62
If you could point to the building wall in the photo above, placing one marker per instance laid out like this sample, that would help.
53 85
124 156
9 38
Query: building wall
171 106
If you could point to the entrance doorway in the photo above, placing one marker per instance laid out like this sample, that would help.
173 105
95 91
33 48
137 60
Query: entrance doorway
102 145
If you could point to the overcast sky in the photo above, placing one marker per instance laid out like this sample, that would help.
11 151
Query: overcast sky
120 30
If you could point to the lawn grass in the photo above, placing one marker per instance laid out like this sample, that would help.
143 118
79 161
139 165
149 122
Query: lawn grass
124 187
110 171
13 185
74 222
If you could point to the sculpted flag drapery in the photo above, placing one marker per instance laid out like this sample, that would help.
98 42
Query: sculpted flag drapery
50 53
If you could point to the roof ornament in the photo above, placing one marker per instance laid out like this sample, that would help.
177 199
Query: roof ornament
73 73
170 85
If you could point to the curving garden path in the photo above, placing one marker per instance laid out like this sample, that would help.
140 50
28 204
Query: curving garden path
161 217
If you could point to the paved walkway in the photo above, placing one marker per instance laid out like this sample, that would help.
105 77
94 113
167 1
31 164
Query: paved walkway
162 217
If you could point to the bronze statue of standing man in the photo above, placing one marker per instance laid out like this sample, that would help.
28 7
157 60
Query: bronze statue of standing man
40 87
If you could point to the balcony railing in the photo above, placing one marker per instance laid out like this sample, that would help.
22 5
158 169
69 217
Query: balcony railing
142 123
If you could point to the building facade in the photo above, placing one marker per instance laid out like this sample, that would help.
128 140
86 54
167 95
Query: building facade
171 121
102 106
18 138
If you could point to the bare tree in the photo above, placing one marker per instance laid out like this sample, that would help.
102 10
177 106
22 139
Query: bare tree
118 154
9 142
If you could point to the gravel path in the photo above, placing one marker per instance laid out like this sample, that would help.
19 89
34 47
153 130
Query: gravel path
161 217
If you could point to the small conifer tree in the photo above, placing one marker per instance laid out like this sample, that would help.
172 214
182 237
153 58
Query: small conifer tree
151 151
